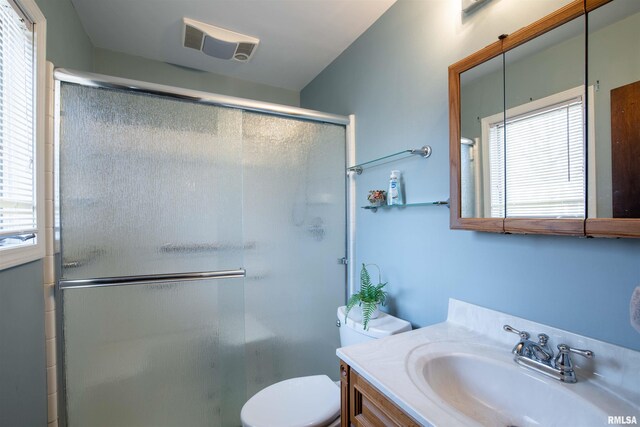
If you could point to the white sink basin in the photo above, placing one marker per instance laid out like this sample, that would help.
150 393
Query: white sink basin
481 385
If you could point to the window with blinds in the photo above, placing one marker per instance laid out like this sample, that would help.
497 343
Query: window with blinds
543 153
18 226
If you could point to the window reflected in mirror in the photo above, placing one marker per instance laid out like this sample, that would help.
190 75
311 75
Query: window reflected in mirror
544 157
544 141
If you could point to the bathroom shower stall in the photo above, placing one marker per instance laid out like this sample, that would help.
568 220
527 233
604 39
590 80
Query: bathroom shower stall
200 238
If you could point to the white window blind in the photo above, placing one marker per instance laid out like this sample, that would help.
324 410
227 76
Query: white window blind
544 157
17 135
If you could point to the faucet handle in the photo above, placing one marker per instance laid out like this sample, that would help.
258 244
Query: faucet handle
565 349
564 364
523 335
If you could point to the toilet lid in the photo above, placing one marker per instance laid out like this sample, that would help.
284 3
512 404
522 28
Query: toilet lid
298 402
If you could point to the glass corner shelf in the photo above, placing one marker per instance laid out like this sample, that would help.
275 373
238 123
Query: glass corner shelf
407 205
424 151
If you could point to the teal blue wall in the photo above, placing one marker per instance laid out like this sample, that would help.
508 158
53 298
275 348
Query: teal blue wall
67 42
23 388
394 79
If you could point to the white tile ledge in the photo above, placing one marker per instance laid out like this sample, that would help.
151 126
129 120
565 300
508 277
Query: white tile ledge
382 362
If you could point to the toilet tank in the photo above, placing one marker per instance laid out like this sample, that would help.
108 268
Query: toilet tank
352 331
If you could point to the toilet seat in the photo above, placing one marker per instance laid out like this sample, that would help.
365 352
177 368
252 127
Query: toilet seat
298 402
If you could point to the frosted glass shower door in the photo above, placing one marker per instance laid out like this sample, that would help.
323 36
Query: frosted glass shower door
157 355
294 227
150 186
153 186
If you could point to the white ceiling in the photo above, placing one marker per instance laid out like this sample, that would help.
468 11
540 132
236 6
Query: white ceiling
298 38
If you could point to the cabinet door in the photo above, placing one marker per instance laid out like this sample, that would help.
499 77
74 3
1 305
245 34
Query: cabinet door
544 148
368 407
613 126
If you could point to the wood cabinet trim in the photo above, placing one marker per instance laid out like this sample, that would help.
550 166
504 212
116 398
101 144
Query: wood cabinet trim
555 19
454 147
492 225
495 225
616 227
367 406
344 394
486 53
564 227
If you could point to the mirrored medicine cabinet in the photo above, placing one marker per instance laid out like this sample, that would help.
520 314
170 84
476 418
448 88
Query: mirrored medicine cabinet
545 126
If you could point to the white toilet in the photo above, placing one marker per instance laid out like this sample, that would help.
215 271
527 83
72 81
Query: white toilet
314 401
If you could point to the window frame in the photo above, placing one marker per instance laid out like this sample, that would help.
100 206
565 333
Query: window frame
541 104
16 255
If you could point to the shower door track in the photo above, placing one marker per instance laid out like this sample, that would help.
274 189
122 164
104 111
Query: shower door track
108 82
149 279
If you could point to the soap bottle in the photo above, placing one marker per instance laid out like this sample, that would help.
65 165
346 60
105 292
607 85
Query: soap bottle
394 195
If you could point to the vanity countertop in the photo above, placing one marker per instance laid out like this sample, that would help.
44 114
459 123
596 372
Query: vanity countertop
384 362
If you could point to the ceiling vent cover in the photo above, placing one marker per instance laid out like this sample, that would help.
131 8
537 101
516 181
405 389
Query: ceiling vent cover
218 42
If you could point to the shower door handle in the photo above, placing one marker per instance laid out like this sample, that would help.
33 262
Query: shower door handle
102 282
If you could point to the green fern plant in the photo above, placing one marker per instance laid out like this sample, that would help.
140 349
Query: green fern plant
369 296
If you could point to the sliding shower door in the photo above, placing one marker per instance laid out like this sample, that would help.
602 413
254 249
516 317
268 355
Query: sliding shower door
155 354
294 226
154 193
150 186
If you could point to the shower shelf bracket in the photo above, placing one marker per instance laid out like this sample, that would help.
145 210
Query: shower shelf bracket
424 151
407 205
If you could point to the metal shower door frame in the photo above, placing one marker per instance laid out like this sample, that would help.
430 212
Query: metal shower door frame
109 82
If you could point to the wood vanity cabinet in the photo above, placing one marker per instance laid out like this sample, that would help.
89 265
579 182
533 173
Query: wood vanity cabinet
361 404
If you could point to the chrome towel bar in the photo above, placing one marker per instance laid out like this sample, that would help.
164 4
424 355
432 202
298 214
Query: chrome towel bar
150 279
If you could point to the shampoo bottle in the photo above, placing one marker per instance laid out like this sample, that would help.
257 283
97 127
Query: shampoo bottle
394 195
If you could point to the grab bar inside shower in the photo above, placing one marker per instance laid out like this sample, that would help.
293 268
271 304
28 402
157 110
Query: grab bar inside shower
102 282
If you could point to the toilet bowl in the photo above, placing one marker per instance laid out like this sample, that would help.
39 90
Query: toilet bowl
314 401
303 401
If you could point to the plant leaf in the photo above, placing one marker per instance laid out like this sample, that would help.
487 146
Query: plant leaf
367 310
353 300
369 297
365 279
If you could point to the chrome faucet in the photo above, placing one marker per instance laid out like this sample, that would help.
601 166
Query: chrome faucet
540 357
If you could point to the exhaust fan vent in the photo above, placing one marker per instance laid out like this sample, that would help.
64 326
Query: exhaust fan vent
193 37
218 42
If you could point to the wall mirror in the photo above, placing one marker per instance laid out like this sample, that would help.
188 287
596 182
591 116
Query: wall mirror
481 96
544 164
530 150
614 74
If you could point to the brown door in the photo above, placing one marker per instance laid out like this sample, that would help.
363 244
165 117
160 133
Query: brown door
625 150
